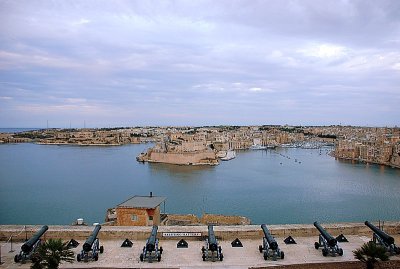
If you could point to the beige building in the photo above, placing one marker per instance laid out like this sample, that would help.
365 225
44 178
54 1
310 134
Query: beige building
140 211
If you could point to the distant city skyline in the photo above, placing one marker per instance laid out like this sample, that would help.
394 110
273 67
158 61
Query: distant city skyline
195 63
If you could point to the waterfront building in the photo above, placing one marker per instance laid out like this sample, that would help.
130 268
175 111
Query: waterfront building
199 145
140 211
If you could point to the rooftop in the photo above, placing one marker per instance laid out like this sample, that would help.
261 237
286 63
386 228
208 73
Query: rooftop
143 202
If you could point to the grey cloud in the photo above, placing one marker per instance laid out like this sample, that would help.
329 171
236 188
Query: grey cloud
210 62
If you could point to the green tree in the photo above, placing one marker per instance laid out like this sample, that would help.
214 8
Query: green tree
51 253
370 253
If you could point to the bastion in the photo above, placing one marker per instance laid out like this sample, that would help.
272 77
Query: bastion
222 232
300 255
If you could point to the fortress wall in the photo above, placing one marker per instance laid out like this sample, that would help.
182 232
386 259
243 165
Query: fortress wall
222 232
181 158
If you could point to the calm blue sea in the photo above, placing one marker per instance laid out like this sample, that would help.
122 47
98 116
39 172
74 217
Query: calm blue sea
17 130
42 184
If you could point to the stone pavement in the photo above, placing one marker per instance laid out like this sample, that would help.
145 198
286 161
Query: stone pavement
115 256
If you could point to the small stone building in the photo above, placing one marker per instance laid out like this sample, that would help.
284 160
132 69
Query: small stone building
140 211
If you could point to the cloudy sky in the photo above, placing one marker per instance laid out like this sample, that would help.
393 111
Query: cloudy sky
135 63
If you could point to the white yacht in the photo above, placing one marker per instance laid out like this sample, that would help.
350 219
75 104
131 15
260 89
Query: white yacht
230 154
256 147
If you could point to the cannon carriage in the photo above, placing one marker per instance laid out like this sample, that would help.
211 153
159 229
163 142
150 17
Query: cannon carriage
328 242
383 239
30 246
151 251
270 248
211 251
91 247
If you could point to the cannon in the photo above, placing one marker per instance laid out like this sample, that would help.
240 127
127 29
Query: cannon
211 251
383 239
151 251
30 246
270 248
329 243
91 248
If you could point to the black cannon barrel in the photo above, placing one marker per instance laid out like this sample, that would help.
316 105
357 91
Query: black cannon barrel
28 245
270 239
89 242
331 241
385 237
212 241
151 241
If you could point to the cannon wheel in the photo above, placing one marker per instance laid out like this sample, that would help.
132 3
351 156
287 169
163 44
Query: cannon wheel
260 248
17 258
340 252
324 252
96 256
78 257
221 257
316 245
101 249
161 250
282 255
141 257
265 256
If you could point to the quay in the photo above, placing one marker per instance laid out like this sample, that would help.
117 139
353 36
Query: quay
300 255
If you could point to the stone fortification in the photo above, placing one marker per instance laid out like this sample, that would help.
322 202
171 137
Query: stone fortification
191 219
222 232
206 157
182 149
224 220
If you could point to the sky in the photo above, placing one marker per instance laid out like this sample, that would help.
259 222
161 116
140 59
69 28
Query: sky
192 63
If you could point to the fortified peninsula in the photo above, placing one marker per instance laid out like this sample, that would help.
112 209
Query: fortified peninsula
181 149
204 145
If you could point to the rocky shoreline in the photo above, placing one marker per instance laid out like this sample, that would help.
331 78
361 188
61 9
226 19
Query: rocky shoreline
388 164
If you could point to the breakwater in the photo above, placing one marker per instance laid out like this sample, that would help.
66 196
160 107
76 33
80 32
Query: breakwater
222 232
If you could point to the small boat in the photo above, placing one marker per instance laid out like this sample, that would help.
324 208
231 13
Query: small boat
257 147
221 154
230 154
286 145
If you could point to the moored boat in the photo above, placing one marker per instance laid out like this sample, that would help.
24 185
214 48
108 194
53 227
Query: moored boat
258 147
230 154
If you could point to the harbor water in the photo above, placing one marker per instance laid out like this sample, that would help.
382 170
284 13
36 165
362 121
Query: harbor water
48 184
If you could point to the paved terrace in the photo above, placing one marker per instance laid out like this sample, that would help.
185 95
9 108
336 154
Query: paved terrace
115 256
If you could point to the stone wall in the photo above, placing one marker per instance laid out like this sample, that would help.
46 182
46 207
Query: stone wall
224 220
190 219
222 232
124 217
206 157
176 219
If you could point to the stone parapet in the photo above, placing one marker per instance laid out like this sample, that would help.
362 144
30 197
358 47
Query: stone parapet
222 232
